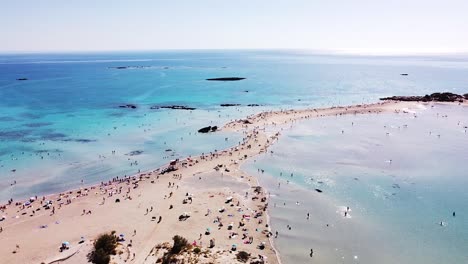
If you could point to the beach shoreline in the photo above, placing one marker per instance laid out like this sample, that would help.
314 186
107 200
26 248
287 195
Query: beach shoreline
255 142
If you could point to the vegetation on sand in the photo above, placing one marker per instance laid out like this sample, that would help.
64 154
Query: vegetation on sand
104 247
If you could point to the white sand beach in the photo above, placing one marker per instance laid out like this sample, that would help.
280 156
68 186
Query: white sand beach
145 208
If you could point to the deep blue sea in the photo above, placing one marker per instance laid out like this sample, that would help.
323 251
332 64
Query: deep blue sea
59 128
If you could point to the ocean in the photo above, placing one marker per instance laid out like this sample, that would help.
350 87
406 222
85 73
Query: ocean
59 128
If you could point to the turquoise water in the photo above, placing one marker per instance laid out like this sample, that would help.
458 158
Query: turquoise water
399 186
54 126
58 130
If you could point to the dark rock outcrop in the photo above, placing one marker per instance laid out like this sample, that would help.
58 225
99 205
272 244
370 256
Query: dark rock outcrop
132 106
84 140
403 98
226 79
435 97
226 105
446 97
130 67
175 107
79 140
466 96
204 129
208 129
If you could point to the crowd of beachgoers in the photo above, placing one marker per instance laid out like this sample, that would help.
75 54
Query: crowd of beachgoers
151 207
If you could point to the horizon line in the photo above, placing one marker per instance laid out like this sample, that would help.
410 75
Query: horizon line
303 50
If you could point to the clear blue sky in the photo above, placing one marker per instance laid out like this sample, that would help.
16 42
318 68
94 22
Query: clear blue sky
363 26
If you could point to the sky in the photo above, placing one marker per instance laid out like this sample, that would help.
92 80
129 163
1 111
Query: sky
348 26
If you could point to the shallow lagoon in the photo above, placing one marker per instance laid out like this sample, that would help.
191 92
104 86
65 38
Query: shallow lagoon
399 178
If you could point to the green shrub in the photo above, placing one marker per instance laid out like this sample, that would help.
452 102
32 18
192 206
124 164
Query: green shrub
179 244
196 250
242 256
104 246
99 256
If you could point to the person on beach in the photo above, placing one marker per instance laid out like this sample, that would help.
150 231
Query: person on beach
311 252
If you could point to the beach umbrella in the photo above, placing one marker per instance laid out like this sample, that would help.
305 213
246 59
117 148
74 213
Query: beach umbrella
121 235
66 243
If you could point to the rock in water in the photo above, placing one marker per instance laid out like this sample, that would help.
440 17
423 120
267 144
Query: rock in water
226 105
175 107
435 97
205 129
132 106
208 129
226 79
